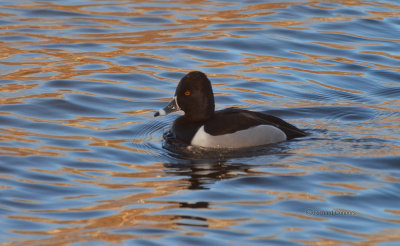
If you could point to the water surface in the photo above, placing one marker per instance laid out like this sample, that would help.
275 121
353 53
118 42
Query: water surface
81 157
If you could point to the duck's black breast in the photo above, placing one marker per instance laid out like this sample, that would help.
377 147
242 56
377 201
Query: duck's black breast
184 129
231 120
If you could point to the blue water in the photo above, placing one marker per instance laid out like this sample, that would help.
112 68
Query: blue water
81 155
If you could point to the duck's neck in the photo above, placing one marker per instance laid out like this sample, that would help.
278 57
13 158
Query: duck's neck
198 117
203 112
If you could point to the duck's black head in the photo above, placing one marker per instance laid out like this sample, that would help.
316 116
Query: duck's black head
194 96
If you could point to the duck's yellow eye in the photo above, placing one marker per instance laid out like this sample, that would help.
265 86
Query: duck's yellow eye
187 93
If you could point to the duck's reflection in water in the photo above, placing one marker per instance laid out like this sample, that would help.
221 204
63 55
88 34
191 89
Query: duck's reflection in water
204 166
201 173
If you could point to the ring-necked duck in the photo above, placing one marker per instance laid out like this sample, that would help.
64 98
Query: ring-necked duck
202 126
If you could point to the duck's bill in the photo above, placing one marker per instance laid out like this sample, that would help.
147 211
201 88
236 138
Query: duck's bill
171 107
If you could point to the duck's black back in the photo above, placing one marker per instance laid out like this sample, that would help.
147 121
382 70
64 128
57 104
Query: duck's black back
233 119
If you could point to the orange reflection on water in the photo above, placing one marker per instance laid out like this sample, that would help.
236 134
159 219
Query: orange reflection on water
385 235
123 217
352 186
25 151
297 196
21 99
16 87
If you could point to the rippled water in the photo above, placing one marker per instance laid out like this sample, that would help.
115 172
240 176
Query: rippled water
81 157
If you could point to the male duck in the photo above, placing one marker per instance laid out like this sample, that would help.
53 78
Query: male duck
202 126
